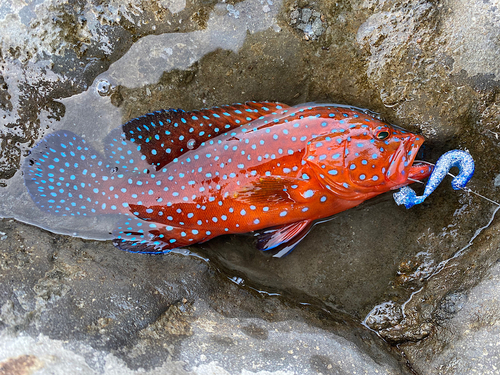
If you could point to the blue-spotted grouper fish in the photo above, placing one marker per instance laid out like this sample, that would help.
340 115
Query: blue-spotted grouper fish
178 178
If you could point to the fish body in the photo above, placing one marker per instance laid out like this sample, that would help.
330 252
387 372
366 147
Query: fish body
177 181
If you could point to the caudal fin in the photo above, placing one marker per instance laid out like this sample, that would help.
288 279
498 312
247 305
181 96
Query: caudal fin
65 176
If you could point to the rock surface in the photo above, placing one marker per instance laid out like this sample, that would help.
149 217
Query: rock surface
419 278
73 304
466 336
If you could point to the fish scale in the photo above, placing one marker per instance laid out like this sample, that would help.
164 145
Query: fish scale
273 166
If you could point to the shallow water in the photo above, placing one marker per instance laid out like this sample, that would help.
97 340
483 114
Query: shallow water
92 114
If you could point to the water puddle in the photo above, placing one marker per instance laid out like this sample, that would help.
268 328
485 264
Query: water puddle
92 114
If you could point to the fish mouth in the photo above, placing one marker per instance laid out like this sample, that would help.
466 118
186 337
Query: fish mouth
405 169
419 170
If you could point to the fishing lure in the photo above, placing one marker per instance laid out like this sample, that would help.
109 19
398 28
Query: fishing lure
176 178
454 158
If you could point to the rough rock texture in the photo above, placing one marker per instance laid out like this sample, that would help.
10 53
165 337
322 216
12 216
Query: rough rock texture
69 304
466 336
427 66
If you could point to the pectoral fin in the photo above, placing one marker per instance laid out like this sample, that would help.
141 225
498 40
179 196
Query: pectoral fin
282 240
273 190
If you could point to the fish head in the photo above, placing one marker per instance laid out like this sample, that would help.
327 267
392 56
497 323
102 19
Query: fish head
365 157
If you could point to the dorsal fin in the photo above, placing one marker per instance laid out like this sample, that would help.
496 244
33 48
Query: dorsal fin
155 139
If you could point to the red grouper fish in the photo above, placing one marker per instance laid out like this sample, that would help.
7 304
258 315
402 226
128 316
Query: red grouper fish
178 178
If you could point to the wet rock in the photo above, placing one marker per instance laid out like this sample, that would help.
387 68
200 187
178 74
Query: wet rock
385 315
450 305
58 50
67 302
309 22
24 364
405 273
465 339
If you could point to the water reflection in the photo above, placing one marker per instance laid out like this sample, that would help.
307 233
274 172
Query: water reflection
92 114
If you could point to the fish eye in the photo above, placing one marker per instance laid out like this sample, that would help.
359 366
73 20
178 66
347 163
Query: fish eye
383 135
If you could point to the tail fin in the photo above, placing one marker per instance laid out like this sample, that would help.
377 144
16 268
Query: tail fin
65 176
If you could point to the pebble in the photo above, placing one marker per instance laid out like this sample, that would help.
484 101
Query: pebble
308 21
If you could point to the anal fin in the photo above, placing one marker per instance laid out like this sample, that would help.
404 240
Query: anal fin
282 240
138 236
